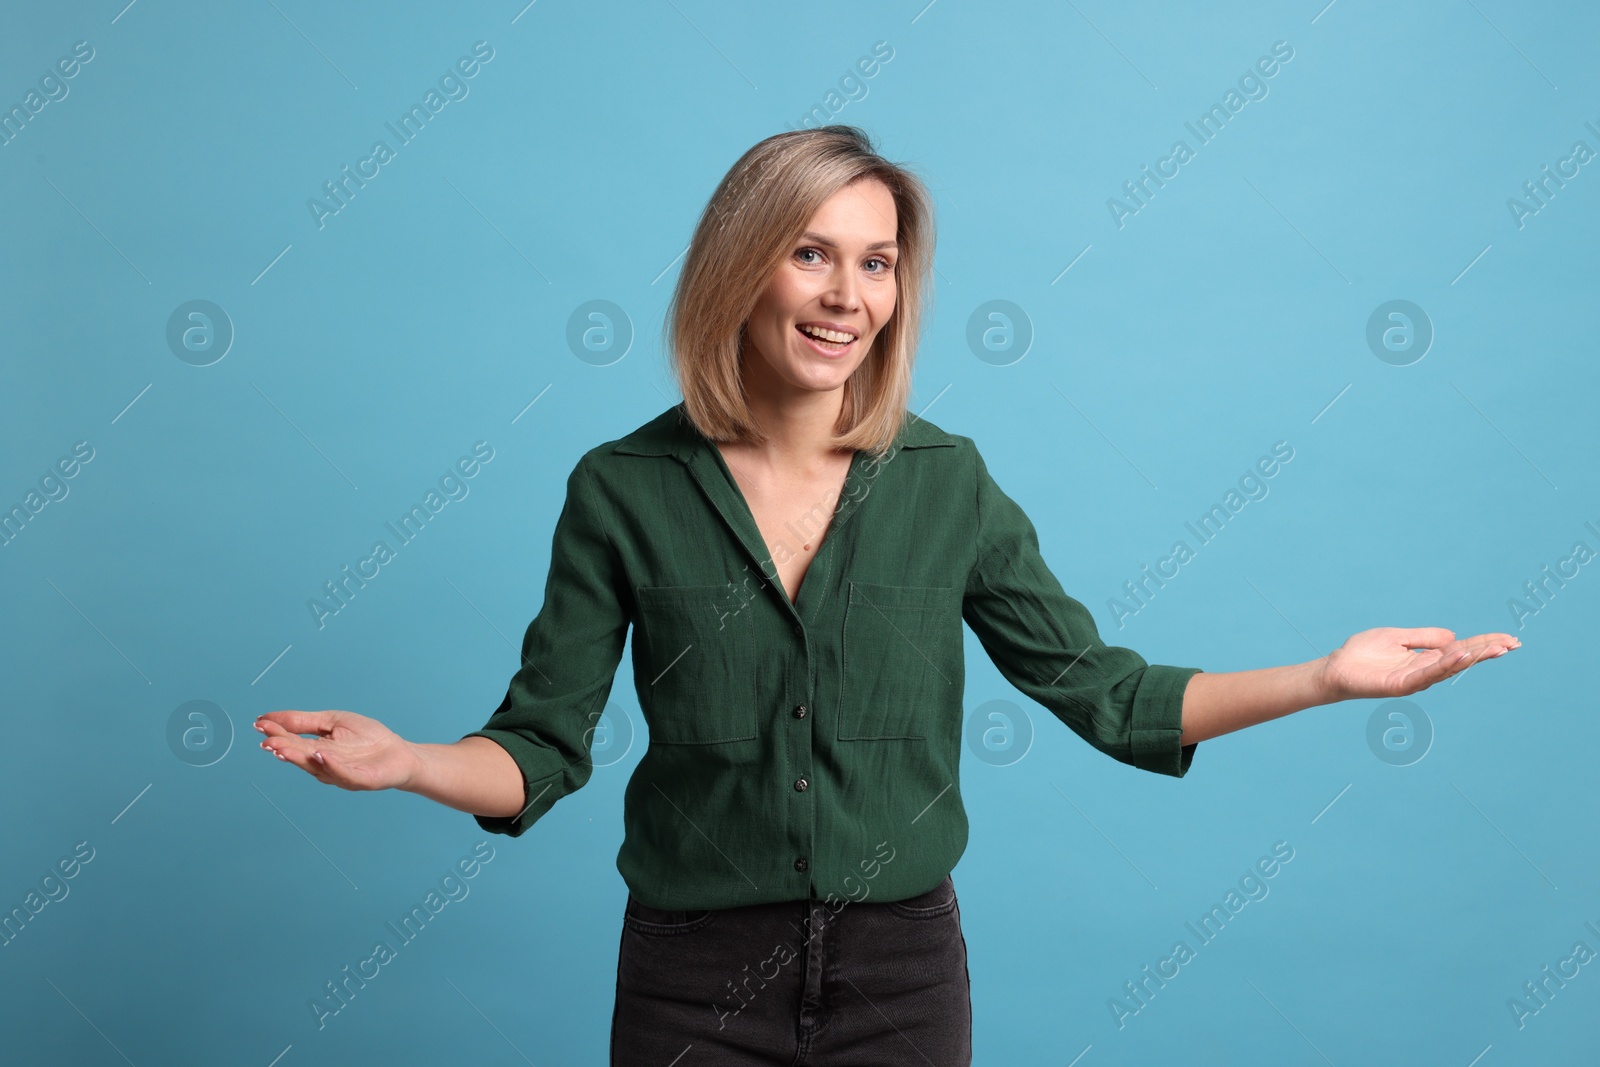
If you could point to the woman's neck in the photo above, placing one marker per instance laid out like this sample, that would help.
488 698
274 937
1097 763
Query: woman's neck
799 427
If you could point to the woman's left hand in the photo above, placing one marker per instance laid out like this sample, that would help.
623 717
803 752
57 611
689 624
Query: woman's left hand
1380 662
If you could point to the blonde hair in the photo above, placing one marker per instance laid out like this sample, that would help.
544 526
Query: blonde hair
747 230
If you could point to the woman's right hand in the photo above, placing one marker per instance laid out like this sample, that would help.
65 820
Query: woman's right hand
350 751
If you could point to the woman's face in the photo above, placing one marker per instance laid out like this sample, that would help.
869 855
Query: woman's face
839 275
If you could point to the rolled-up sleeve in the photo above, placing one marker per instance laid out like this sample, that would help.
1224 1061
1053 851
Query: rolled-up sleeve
1046 644
570 654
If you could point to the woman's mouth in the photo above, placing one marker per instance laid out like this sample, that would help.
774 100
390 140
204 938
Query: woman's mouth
831 349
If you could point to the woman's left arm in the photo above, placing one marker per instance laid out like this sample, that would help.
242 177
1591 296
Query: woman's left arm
1385 662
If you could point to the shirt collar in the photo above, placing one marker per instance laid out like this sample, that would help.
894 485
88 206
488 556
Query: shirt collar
671 433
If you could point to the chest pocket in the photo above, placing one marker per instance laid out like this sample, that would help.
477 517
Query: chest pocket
902 645
700 685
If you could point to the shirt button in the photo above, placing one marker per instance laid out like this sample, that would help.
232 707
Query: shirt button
799 711
799 631
801 785
801 864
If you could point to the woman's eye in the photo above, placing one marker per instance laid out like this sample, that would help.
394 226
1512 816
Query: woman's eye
884 265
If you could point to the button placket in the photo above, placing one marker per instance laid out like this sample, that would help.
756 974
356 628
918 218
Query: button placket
803 818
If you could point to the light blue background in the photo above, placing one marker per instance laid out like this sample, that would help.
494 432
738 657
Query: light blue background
1228 314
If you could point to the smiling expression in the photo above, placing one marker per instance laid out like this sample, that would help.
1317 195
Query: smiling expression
826 302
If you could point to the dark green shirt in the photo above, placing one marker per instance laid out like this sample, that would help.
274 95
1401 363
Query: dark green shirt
809 748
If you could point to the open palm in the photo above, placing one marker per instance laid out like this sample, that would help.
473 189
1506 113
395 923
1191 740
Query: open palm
350 751
1393 661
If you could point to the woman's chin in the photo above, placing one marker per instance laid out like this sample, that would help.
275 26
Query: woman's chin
820 379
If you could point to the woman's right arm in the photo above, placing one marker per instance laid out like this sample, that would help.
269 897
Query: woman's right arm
474 775
536 746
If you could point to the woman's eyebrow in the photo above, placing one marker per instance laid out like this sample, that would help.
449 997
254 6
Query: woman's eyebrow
821 240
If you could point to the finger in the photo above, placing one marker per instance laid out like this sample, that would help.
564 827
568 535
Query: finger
293 747
304 758
303 722
1489 645
1426 637
1464 658
271 728
1446 664
1506 641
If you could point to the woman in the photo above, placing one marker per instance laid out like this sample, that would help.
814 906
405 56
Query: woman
797 553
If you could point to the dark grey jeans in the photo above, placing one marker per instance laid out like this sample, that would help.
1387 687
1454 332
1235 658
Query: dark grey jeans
799 982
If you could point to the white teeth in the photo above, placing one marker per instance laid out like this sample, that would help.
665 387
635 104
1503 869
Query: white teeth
827 335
